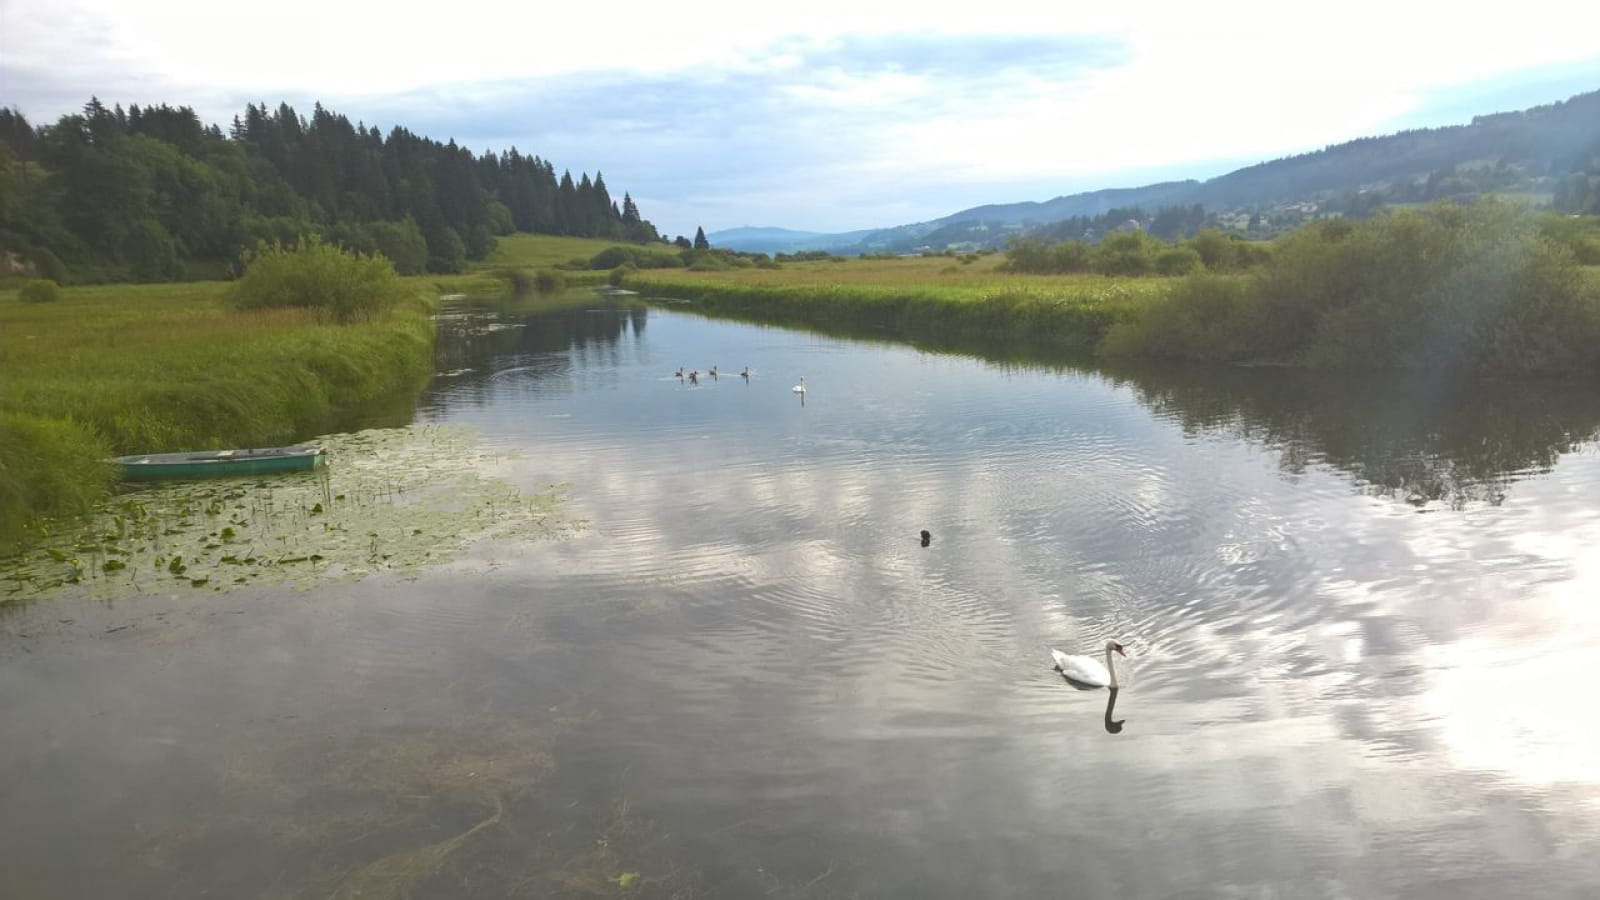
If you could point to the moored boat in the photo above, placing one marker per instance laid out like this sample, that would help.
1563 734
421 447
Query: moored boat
213 463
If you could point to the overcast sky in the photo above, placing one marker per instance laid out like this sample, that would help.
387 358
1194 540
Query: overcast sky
826 115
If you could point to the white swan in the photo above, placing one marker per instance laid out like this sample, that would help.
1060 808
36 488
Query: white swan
1087 670
801 387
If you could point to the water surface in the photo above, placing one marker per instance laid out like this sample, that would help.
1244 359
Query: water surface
1360 617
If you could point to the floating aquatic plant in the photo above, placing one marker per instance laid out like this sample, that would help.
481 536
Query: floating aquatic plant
392 499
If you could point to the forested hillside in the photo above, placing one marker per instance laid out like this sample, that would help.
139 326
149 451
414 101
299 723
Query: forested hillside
1547 154
152 193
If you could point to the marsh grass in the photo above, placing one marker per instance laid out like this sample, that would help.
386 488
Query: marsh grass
120 369
917 298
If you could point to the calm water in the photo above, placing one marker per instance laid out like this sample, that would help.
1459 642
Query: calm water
1362 618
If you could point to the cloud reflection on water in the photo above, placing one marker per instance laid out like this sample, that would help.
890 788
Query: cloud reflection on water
1301 636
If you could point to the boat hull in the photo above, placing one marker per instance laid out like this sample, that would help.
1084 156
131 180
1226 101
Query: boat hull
219 463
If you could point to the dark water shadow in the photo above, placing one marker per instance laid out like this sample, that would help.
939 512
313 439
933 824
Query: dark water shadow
480 337
1421 438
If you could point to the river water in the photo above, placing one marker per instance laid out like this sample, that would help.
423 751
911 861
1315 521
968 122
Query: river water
1362 623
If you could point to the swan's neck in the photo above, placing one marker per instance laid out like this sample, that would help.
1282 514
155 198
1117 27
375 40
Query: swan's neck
1111 666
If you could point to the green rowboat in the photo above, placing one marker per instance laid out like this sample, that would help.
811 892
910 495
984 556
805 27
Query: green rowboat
213 463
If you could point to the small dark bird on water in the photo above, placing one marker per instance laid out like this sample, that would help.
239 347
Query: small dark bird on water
927 537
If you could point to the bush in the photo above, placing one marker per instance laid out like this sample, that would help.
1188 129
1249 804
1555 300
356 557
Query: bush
1200 319
546 281
1125 253
402 242
1215 250
1177 261
518 281
1039 257
347 286
447 253
707 261
39 290
1481 289
638 257
620 274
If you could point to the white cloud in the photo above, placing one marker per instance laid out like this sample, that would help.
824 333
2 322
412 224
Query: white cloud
1046 96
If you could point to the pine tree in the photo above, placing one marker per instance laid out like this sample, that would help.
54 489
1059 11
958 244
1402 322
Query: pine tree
700 242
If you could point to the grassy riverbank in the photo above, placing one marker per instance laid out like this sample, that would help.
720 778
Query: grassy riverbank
121 369
935 299
1490 289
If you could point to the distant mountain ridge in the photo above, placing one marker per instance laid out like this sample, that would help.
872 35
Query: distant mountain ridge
1529 150
780 240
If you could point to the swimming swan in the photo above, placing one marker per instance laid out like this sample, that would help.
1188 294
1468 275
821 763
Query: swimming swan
801 387
1087 670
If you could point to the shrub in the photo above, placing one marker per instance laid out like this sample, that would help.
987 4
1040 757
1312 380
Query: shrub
1177 261
1450 288
1040 257
1202 318
617 276
39 290
446 251
346 286
518 281
1215 250
1125 253
402 242
707 261
546 281
639 257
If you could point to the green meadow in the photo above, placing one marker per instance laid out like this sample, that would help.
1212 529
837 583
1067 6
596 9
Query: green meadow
121 369
937 299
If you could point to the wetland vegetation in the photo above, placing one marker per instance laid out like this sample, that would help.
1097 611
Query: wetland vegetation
121 369
1490 288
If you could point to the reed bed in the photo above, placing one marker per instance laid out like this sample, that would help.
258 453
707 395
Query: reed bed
121 369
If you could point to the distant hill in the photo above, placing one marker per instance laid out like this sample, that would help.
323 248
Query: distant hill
781 240
1528 152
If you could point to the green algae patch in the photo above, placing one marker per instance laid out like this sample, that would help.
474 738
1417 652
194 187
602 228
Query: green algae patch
390 500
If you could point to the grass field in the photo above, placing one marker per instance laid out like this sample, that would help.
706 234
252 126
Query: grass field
541 251
114 369
937 300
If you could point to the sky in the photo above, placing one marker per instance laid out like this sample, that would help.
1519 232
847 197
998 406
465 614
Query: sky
828 115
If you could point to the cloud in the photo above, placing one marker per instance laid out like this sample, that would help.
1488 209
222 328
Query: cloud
719 145
847 116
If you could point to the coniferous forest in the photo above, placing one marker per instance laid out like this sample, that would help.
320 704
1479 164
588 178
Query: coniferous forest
153 194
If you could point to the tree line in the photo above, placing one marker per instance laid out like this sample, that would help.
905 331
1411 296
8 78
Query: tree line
150 193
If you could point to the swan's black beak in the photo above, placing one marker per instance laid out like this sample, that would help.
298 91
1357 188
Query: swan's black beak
1120 651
